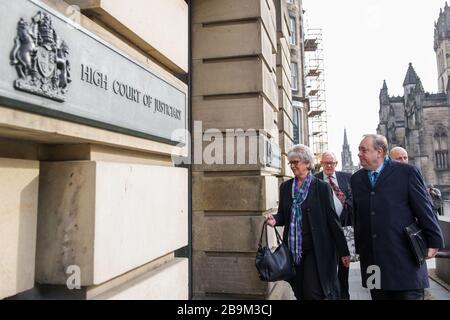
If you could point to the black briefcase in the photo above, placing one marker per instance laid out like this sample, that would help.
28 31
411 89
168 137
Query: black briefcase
417 242
277 265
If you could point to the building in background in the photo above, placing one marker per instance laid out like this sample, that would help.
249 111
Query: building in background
293 105
300 102
419 121
346 157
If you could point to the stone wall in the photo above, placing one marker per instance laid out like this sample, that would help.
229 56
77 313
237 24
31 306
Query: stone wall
434 116
238 76
86 201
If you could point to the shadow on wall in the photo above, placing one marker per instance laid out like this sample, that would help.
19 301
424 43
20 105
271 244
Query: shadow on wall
27 224
19 181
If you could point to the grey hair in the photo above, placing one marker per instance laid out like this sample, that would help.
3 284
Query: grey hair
330 154
379 141
304 153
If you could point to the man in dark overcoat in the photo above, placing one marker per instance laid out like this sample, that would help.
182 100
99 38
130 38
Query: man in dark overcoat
387 197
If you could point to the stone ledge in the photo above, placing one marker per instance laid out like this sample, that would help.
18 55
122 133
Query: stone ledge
167 282
248 75
214 11
23 125
234 193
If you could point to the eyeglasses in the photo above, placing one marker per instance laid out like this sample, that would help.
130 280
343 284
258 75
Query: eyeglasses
329 163
294 162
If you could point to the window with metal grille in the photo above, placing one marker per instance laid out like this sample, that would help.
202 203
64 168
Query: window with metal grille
441 150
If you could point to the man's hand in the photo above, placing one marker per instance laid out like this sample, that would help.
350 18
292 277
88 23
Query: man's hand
270 220
346 261
432 252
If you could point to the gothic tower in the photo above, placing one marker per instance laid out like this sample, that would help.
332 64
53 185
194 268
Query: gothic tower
346 156
442 47
411 81
383 113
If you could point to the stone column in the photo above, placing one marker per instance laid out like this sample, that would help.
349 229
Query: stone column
234 87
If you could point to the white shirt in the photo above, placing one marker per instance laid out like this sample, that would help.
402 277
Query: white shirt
337 202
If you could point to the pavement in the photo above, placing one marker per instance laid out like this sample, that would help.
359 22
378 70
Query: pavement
357 292
438 289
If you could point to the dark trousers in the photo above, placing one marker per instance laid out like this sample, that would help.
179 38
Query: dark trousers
343 280
306 284
380 294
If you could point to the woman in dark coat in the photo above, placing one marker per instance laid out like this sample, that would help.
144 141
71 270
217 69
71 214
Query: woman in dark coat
312 230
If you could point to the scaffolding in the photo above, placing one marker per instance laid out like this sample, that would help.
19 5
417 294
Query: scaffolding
315 91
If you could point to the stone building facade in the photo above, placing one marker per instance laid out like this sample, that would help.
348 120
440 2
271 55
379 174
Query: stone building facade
241 81
418 120
138 156
299 100
87 178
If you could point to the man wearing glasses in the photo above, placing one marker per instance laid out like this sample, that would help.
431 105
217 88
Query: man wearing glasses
340 184
389 196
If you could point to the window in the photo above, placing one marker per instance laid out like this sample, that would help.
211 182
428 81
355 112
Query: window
296 126
441 148
294 78
293 39
290 1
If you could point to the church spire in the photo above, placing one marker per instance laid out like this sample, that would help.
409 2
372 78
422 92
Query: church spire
345 137
419 86
411 76
346 156
384 95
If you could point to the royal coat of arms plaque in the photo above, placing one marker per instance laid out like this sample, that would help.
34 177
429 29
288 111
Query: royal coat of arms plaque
41 58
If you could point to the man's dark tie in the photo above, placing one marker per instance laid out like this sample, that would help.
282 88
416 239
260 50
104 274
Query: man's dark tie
337 191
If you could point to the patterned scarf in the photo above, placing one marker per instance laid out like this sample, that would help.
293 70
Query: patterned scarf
295 227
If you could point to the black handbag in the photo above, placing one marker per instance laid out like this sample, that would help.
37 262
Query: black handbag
277 265
417 242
